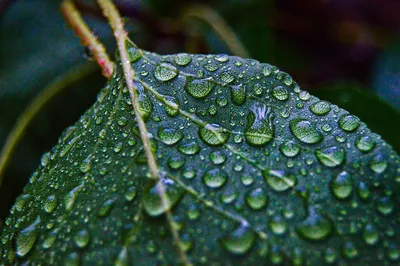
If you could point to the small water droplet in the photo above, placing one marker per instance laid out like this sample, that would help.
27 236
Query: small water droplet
190 148
331 157
134 53
349 250
363 191
170 136
176 162
226 77
213 134
370 234
217 157
222 58
165 72
289 149
320 108
106 208
349 122
71 197
257 199
183 59
238 94
50 204
130 193
199 88
278 225
211 66
215 178
305 131
365 143
280 93
316 226
378 164
239 241
279 180
385 206
82 238
173 108
49 240
152 201
259 130
342 185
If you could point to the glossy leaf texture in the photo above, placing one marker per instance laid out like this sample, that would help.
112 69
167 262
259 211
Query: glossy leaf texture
255 171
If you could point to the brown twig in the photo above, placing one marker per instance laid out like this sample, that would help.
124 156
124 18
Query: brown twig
74 19
117 25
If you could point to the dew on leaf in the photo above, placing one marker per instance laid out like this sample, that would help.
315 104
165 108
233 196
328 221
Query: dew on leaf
280 93
182 59
213 134
316 226
165 72
50 203
305 131
169 136
257 199
81 238
365 143
215 178
289 149
320 108
279 180
259 130
190 148
331 157
238 94
239 241
26 238
349 122
342 185
199 88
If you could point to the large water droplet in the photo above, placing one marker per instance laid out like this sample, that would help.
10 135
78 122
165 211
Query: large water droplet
134 53
170 136
238 94
305 131
49 240
26 238
259 130
71 197
199 88
82 238
226 77
280 93
289 149
217 157
385 206
183 59
316 226
143 102
279 180
349 250
165 71
278 225
130 193
215 178
190 148
257 199
173 108
331 157
320 108
363 191
176 162
349 122
152 198
239 241
106 208
213 134
342 185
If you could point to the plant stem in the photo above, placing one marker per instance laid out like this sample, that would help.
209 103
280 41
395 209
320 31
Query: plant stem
116 23
74 19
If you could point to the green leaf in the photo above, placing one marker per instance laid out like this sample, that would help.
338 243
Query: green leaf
255 171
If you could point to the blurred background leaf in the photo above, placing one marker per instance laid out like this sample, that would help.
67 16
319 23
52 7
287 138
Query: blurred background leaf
346 52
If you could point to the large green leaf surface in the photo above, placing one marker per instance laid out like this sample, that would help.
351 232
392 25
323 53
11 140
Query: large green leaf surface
255 170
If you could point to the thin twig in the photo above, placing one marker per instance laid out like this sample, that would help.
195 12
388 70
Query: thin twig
219 25
34 107
73 17
116 23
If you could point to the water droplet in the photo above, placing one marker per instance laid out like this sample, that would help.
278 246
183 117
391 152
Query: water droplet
349 122
304 95
81 239
106 208
331 157
170 136
152 198
71 197
370 234
190 148
378 164
173 108
49 240
278 225
226 77
315 227
385 206
213 134
305 131
320 108
183 59
165 71
26 238
130 193
259 130
363 191
86 165
134 53
289 149
279 180
199 88
239 241
50 204
238 94
365 143
257 199
72 259
143 102
217 157
215 178
342 185
122 259
280 93
330 256
211 66
349 250
222 58
176 162
189 173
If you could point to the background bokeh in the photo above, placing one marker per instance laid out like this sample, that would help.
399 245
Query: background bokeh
346 52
